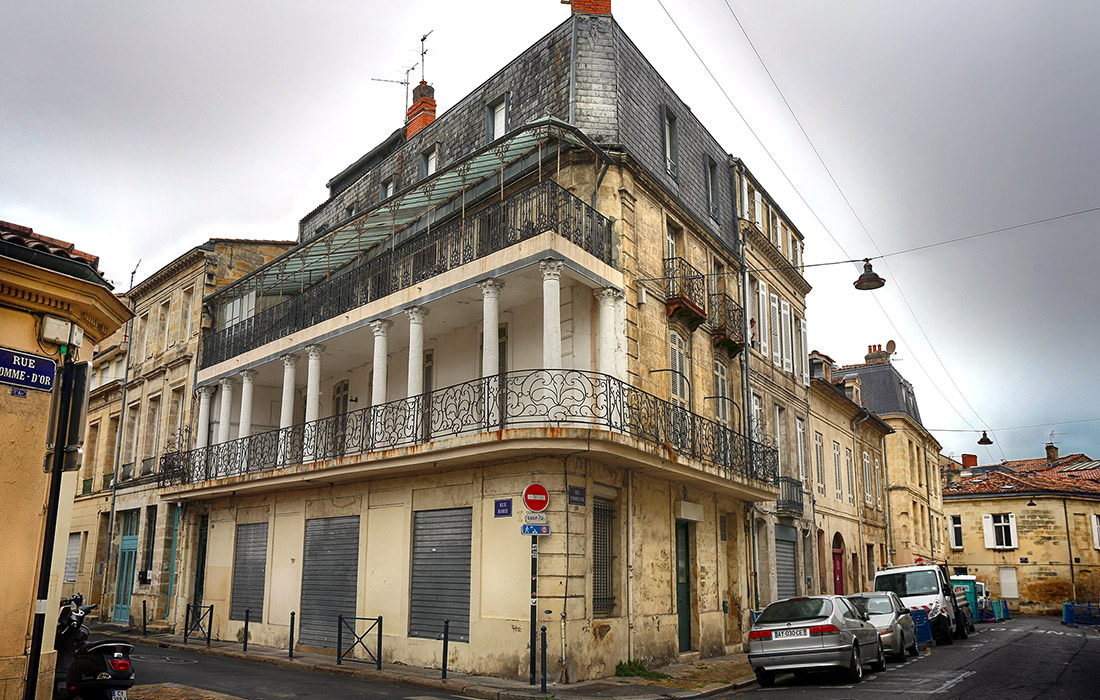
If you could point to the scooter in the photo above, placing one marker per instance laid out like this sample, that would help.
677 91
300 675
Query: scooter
99 670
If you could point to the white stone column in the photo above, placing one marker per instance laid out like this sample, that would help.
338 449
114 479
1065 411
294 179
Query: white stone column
313 382
202 430
247 378
551 313
379 390
225 397
606 300
416 315
490 312
286 411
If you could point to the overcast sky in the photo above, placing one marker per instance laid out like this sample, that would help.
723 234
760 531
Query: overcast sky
137 130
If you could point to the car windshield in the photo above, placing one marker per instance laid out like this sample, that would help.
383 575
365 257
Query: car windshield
796 609
873 605
909 583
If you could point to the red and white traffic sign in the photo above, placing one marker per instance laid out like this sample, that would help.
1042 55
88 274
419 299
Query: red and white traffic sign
536 498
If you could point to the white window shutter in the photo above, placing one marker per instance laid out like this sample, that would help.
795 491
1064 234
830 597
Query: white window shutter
987 531
805 352
744 199
785 327
777 351
759 213
762 315
1095 531
498 120
1012 529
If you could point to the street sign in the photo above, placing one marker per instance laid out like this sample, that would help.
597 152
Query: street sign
25 370
502 508
534 529
536 498
576 495
535 518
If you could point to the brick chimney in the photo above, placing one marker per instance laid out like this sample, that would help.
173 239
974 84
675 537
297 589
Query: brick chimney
876 355
1052 453
969 461
589 7
422 112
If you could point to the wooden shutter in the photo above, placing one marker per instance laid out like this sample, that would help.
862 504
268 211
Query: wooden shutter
785 329
777 350
762 315
1012 530
805 352
249 572
1095 531
499 119
72 558
758 214
987 531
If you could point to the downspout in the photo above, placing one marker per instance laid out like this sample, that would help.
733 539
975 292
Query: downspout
889 514
858 575
1069 545
630 565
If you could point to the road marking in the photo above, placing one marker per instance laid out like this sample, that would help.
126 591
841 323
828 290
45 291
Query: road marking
924 683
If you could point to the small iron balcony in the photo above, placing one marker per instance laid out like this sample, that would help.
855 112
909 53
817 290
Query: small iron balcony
685 292
790 496
727 323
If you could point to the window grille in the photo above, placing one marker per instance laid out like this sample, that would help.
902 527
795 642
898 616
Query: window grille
602 599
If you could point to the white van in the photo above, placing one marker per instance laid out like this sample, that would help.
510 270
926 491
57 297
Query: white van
926 587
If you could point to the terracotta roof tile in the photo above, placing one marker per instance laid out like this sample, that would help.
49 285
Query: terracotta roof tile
25 236
1006 483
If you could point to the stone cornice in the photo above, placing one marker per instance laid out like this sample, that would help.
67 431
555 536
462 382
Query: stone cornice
760 243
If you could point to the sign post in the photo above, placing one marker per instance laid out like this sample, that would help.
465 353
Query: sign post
535 498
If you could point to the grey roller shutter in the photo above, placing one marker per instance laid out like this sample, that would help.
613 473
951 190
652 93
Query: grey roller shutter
441 573
249 570
786 569
330 569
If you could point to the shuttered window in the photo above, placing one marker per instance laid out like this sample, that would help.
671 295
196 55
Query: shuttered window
999 530
603 599
330 569
851 480
721 390
800 434
72 557
786 561
249 572
839 472
785 330
1096 531
678 363
762 316
498 119
956 532
777 350
441 573
804 352
866 478
819 457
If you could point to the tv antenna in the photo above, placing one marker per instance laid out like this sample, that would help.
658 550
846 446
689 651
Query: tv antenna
423 52
404 82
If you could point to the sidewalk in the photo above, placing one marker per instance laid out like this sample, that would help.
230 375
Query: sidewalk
690 680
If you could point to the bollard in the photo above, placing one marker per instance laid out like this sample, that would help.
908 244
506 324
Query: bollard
144 618
542 686
378 661
246 611
290 652
186 622
339 640
209 625
446 635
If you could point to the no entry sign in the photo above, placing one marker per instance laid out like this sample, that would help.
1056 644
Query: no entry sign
536 498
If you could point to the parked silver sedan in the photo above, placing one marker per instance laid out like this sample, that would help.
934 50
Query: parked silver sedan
892 619
813 632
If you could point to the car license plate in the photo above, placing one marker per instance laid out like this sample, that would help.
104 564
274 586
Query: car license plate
118 694
788 634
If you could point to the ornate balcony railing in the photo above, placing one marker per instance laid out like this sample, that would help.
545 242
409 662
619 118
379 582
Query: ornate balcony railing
528 213
532 398
727 321
685 292
790 496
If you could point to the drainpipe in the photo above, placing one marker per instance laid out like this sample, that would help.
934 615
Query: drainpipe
858 575
630 565
1069 545
889 514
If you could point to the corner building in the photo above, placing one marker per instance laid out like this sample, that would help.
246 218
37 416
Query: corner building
544 284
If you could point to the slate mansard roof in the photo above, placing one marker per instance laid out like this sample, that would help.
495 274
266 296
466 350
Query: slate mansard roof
883 390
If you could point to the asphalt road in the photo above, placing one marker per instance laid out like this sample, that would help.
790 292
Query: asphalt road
1018 659
259 681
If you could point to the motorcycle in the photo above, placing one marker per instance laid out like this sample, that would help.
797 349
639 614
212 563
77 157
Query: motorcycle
99 670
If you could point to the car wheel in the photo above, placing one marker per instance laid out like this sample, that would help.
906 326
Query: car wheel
765 678
913 650
855 666
947 636
880 659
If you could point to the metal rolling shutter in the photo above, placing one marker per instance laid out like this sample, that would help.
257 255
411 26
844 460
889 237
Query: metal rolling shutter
786 562
249 570
330 569
441 573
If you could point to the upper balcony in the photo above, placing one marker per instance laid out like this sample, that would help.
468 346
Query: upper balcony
790 497
479 416
446 221
727 323
686 294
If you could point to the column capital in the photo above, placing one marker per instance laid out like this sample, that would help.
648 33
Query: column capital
607 295
551 268
315 351
416 314
206 391
490 287
290 360
226 383
381 327
247 375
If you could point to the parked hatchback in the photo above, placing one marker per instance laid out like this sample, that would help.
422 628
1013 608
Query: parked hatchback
892 619
813 632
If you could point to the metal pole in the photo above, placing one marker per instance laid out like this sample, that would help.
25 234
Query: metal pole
186 622
542 687
339 640
209 625
378 659
246 611
60 440
534 600
446 635
290 651
144 618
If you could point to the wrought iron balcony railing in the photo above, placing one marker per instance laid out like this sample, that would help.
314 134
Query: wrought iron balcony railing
790 496
529 398
685 292
727 319
528 213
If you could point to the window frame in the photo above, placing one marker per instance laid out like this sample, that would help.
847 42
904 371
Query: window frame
502 103
603 510
710 168
819 453
429 161
670 140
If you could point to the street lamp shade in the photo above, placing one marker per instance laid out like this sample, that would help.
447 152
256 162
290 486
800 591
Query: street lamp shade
869 279
984 439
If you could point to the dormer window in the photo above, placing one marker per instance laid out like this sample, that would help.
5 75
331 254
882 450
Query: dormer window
428 161
672 142
497 118
712 189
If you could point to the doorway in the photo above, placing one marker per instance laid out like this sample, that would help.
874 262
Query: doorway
683 585
838 564
127 557
200 559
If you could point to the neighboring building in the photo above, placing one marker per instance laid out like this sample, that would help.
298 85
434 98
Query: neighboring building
912 458
47 288
157 393
486 300
1033 535
848 482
